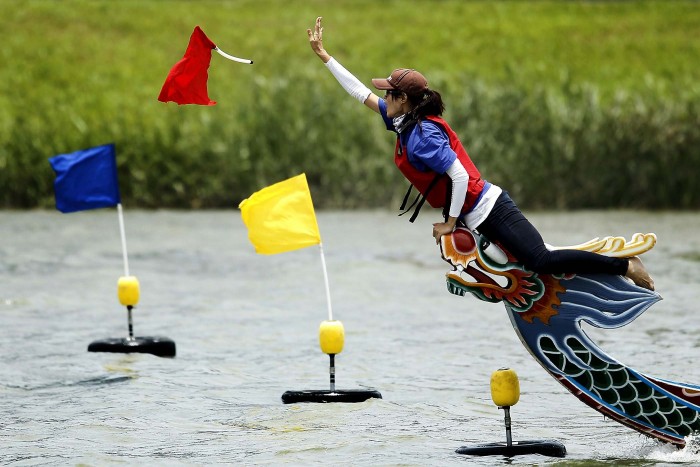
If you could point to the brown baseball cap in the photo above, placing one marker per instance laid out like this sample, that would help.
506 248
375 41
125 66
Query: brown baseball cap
403 79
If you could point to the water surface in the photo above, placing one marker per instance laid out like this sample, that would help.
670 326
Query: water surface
246 328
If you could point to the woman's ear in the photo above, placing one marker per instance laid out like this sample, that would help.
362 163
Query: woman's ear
405 103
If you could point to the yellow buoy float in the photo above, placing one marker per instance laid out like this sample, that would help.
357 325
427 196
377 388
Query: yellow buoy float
505 387
128 290
331 337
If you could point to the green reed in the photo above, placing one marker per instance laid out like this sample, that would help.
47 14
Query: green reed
564 104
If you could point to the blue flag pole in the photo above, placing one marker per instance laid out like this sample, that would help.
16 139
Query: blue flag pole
123 235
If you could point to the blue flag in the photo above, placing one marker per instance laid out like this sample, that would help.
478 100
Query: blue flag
86 179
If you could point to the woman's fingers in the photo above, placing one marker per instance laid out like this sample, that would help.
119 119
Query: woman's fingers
319 29
317 34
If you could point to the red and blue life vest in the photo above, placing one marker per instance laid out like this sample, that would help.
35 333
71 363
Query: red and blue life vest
436 188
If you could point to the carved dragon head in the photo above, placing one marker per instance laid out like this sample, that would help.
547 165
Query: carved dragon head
493 275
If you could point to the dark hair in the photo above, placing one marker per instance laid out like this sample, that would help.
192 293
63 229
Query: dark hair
427 103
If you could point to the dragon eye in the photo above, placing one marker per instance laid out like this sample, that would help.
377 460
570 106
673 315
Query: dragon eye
463 241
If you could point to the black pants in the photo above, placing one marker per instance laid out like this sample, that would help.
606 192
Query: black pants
509 227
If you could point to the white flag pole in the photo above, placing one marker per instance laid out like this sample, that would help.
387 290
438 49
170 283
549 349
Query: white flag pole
325 276
123 235
231 57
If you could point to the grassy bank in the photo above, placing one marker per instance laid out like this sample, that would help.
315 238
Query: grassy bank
566 104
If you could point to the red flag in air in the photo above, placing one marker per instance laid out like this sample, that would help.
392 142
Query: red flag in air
187 81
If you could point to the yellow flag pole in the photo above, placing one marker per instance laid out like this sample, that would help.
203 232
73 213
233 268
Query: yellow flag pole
325 276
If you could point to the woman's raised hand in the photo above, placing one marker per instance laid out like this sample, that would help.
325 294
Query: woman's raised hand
316 40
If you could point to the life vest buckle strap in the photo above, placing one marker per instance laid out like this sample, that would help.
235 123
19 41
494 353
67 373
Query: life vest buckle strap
415 200
405 199
415 213
420 196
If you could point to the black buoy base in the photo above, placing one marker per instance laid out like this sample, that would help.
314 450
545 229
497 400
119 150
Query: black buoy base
158 346
550 448
340 395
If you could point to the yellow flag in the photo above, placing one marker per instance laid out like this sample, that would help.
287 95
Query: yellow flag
281 217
